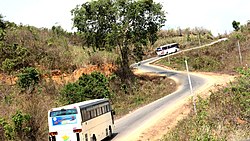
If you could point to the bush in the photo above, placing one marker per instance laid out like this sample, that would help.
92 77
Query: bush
29 78
13 57
92 86
18 129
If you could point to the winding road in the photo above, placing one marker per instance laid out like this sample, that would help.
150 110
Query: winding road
131 125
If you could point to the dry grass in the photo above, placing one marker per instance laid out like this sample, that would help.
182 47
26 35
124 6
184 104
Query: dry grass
148 88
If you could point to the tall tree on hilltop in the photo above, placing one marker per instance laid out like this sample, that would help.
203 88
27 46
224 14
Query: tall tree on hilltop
2 28
126 24
236 25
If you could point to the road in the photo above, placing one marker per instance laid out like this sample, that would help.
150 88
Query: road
131 125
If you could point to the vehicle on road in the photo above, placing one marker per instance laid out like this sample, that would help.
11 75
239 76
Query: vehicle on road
90 120
167 49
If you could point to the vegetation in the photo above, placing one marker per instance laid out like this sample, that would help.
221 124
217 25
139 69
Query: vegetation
236 25
225 114
31 57
85 88
187 38
122 24
221 57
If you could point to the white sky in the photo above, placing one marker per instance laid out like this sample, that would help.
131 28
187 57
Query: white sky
214 15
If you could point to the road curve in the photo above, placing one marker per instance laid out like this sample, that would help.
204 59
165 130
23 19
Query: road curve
130 124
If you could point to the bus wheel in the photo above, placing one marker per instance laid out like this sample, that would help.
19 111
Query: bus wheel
93 138
110 132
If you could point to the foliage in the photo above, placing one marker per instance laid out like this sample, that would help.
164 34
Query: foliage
220 57
92 86
58 30
2 28
28 78
18 129
108 24
236 25
13 57
28 46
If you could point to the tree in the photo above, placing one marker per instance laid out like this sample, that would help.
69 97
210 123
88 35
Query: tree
2 28
236 25
125 24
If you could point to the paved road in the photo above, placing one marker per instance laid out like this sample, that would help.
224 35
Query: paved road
129 125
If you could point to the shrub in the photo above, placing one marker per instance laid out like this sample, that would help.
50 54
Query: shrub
92 86
18 129
29 78
13 57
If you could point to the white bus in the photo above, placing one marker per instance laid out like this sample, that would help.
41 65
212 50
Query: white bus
167 49
90 120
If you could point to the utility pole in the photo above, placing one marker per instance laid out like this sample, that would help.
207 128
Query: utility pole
191 88
168 56
199 37
239 52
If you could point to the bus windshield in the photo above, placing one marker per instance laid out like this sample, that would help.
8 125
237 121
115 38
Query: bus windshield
158 49
63 112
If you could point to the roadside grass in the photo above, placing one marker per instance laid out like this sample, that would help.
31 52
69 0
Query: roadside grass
83 57
221 57
146 89
188 38
35 105
223 116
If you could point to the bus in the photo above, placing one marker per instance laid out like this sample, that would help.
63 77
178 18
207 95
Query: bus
91 120
167 49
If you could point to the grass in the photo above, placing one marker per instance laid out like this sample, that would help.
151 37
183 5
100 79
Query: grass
221 57
189 38
146 90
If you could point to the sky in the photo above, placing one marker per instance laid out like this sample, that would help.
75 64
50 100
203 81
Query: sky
214 15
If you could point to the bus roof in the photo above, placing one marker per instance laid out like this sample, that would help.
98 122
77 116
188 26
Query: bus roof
81 104
169 44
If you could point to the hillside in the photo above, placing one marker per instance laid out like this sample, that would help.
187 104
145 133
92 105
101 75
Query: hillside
38 65
224 115
50 60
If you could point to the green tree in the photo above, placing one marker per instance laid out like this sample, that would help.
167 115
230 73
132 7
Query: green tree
2 28
125 24
92 86
236 25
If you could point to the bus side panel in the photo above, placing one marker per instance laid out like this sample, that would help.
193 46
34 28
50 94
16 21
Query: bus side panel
98 126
